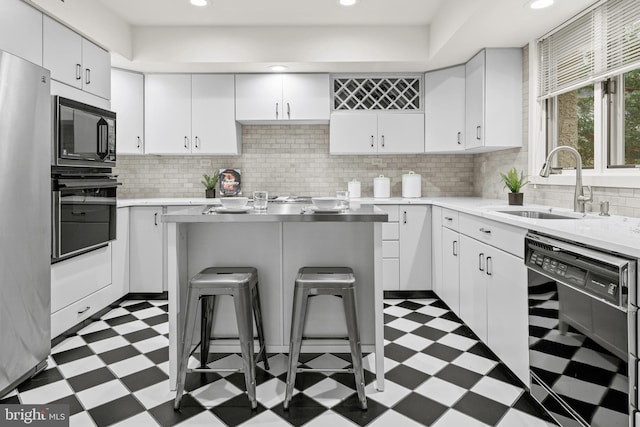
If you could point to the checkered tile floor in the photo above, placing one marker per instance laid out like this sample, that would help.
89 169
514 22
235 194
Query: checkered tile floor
115 372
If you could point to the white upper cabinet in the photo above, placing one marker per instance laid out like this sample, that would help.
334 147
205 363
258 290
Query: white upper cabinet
444 110
75 61
21 30
127 100
269 97
190 114
493 104
376 133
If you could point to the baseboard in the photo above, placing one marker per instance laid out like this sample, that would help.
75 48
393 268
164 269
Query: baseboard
409 294
147 295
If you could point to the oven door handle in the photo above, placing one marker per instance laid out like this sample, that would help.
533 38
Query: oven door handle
77 184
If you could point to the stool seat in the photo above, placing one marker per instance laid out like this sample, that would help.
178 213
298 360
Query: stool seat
311 281
242 284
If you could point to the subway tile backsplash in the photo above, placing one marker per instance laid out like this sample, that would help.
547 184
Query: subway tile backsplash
292 160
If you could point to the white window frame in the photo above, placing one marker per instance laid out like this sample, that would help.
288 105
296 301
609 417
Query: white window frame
600 175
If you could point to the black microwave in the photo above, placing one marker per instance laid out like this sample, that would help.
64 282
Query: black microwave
84 135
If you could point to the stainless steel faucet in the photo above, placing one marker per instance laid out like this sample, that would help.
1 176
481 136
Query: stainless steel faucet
579 198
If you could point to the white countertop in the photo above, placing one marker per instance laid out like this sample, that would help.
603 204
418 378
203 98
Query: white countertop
614 233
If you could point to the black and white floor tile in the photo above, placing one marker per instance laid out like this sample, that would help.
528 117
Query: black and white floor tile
115 372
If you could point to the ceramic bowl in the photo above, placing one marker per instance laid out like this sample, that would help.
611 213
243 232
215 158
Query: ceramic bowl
234 202
325 203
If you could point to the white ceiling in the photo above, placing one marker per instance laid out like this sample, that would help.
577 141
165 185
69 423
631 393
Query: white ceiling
305 35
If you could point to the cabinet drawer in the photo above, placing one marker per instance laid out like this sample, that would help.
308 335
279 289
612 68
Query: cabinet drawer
502 236
391 210
449 219
390 249
391 274
75 313
390 231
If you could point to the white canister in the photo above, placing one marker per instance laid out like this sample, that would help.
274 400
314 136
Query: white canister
354 189
411 185
381 187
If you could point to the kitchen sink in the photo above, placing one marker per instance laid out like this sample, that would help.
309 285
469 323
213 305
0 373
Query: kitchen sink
538 214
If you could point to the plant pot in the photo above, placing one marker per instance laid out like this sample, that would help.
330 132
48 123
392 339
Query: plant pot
516 199
210 194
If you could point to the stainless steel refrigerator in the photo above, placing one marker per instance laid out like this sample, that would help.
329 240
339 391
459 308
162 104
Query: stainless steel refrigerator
25 220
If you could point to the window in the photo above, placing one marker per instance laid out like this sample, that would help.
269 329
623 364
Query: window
588 93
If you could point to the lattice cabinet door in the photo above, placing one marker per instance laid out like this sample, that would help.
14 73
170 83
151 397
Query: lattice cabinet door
377 93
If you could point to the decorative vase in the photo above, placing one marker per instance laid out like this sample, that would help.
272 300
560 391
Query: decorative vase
516 199
210 193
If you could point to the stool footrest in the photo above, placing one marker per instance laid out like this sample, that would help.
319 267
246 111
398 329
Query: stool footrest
335 370
191 370
324 338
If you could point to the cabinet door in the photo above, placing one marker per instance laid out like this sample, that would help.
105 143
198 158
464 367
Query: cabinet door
415 248
444 110
474 95
127 100
353 133
96 62
507 313
259 97
391 274
21 30
145 249
62 53
436 249
168 113
450 269
213 124
400 133
473 286
305 97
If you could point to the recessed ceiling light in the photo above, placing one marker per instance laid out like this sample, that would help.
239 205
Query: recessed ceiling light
539 4
348 2
199 2
278 68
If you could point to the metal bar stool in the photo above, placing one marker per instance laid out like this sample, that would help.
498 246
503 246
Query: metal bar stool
338 281
242 284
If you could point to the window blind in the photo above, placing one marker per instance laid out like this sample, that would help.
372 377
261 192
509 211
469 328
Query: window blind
600 43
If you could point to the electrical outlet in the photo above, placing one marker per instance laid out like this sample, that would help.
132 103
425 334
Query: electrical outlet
205 162
376 162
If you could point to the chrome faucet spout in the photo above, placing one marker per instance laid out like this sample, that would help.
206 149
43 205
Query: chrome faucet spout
579 198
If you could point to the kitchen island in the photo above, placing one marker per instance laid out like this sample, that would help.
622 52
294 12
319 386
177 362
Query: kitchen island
278 242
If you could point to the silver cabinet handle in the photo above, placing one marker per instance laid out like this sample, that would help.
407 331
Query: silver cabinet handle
87 76
288 111
485 231
138 142
371 141
455 248
84 310
186 142
478 133
404 217
197 142
489 266
155 219
448 218
383 141
480 261
459 135
277 105
78 71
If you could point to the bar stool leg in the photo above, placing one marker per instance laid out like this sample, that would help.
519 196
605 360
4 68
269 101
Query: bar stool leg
349 302
300 296
244 318
208 302
257 312
187 338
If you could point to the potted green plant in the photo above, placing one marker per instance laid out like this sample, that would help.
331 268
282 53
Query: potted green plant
210 183
514 183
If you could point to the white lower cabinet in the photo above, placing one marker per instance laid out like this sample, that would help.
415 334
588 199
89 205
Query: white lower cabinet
120 255
450 291
80 287
146 249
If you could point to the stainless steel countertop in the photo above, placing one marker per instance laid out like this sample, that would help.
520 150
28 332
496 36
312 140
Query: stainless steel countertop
278 212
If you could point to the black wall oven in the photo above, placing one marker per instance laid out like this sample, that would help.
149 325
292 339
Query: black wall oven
583 351
83 211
